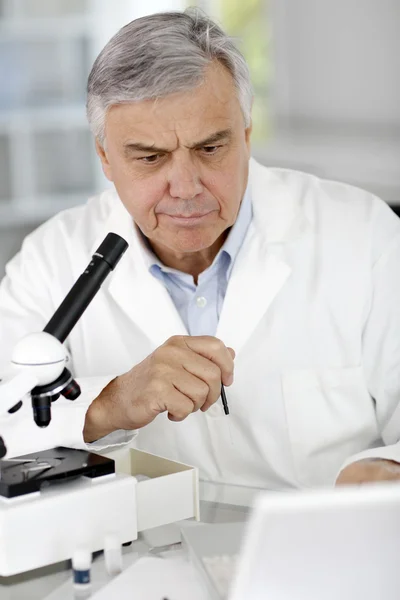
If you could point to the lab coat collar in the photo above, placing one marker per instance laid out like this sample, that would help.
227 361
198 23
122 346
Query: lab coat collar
278 210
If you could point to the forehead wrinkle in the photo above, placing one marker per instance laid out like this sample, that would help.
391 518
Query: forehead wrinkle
146 142
199 130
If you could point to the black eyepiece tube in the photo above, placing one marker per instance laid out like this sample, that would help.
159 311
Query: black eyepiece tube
86 287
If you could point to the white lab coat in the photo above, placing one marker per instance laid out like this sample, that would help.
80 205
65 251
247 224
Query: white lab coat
312 310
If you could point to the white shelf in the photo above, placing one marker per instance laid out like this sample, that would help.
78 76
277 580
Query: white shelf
54 27
35 210
45 62
44 118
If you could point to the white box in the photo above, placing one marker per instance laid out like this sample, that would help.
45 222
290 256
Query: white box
45 527
171 494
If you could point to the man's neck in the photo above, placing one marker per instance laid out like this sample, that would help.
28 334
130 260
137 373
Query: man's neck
192 263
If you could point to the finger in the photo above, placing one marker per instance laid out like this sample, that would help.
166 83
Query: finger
178 406
204 388
215 350
192 384
206 371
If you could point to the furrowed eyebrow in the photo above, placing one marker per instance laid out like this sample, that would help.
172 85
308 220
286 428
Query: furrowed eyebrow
212 139
132 147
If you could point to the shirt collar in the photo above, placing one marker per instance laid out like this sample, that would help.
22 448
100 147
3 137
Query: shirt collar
230 247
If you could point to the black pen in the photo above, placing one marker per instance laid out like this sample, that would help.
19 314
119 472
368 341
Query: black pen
224 400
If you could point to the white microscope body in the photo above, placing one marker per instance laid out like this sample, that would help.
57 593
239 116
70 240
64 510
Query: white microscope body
37 359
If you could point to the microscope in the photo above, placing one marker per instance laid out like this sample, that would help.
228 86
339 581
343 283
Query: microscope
47 498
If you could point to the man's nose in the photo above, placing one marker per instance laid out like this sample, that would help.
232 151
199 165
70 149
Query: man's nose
184 179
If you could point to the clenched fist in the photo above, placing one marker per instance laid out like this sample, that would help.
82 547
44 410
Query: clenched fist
181 376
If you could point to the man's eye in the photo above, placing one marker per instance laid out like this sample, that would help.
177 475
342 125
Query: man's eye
211 149
150 159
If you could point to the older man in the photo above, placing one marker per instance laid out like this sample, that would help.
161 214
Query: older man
282 286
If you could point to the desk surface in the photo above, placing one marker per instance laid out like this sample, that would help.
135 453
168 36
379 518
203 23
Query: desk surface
218 504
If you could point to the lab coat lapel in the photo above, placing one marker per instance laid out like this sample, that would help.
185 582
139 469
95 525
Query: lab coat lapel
261 270
256 279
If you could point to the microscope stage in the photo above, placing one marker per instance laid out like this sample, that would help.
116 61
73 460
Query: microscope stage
31 472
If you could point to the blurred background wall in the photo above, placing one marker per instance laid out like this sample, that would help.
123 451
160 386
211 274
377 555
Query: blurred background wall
326 75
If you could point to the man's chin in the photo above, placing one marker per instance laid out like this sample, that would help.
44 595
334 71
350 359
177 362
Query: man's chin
184 242
188 242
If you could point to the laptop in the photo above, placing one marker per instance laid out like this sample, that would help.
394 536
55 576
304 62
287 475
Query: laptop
332 544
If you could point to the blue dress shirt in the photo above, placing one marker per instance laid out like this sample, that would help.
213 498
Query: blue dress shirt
200 305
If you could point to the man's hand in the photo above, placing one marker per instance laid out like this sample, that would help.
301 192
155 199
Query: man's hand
180 377
369 470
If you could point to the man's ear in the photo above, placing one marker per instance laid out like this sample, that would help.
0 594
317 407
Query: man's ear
249 129
247 136
102 154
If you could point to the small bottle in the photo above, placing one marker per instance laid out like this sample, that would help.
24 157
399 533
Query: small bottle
113 555
81 563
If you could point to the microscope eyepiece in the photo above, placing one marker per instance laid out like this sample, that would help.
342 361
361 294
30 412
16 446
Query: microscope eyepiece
103 261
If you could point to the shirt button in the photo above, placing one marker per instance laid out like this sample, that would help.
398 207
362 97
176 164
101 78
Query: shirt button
201 301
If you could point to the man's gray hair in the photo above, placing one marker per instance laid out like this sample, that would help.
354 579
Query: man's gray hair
158 55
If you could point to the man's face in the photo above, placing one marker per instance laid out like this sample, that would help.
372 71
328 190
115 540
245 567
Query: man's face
180 163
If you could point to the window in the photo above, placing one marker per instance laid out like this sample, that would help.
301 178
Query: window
248 23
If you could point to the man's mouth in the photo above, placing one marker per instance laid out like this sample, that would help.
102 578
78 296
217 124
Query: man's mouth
191 216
